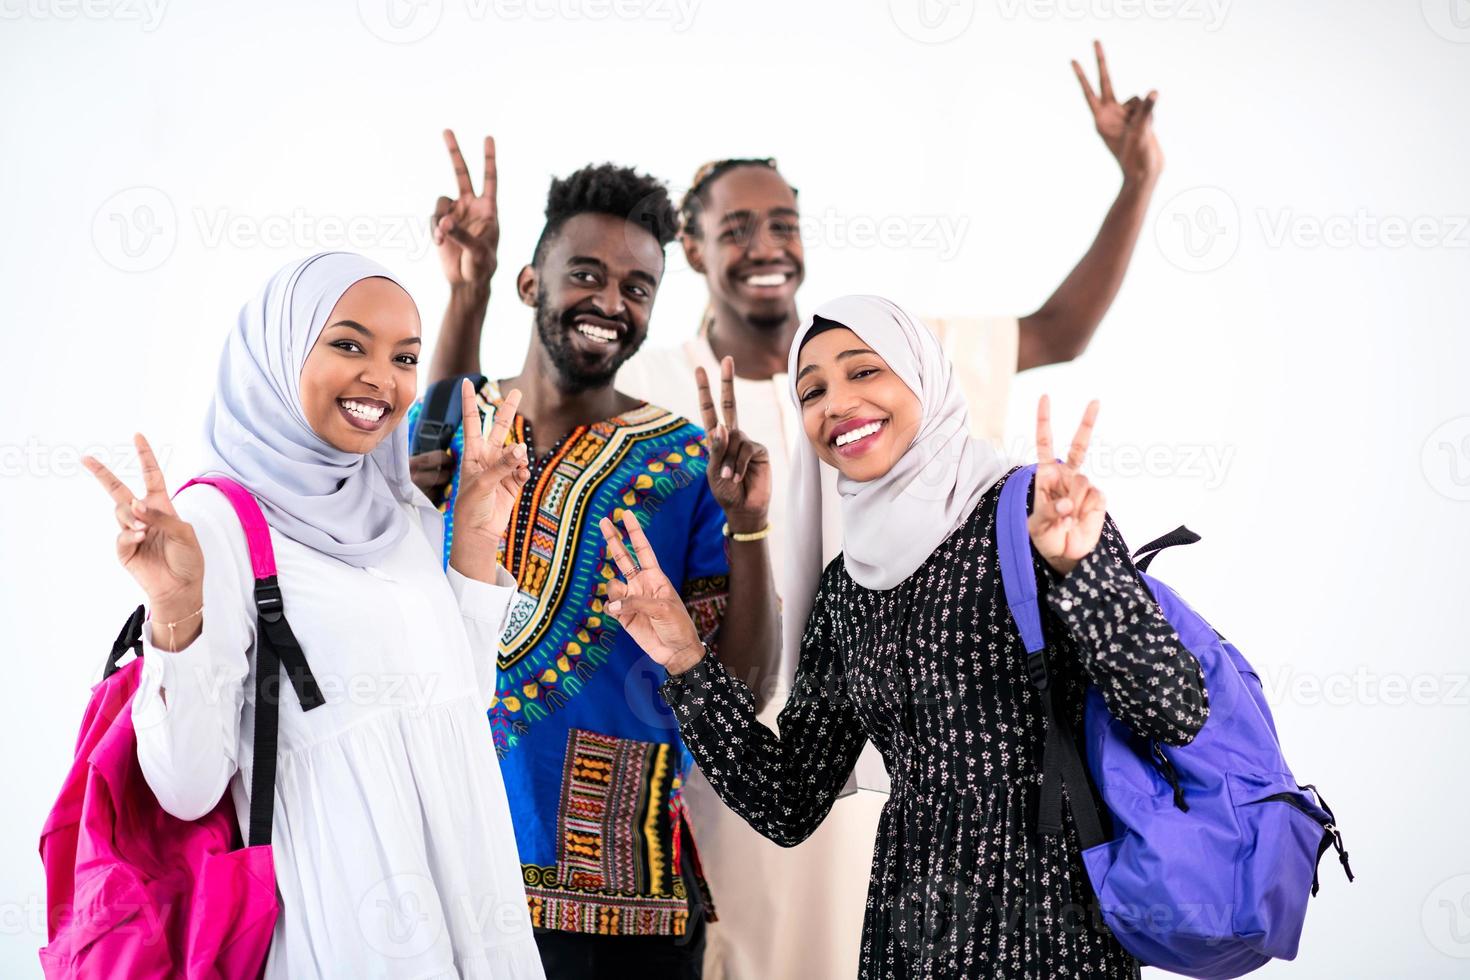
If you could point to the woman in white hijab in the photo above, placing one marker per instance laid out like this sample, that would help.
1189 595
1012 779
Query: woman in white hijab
906 639
392 841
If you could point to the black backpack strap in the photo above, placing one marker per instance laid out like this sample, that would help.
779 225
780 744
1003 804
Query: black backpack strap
443 413
1331 839
1145 555
1062 765
131 638
275 647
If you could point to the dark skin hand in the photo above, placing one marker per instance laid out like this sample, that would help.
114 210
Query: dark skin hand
431 473
466 229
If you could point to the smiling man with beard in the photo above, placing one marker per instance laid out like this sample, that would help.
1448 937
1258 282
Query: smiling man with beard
591 758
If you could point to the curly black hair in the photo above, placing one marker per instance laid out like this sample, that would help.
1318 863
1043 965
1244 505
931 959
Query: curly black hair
697 196
607 189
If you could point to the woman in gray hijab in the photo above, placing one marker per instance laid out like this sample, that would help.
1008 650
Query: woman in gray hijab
394 853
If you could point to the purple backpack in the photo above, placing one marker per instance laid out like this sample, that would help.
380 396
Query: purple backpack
1214 845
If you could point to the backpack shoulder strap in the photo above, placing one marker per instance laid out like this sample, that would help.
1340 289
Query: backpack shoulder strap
1061 762
257 532
1013 541
276 648
443 412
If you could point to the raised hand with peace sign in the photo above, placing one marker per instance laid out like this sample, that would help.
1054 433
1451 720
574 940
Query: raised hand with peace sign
1067 511
467 227
1126 128
157 548
491 475
739 469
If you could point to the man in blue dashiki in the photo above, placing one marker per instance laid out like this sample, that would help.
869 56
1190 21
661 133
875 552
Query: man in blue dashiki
590 755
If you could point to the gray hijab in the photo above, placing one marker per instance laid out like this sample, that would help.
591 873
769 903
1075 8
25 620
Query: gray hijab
892 524
342 504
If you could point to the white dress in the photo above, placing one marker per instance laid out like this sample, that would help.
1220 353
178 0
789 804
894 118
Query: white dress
393 845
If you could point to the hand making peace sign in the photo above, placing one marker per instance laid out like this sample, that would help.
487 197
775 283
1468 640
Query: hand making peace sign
467 228
1126 128
491 471
1067 513
646 603
739 469
155 545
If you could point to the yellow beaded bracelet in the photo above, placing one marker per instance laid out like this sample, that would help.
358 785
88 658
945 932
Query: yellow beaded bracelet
752 536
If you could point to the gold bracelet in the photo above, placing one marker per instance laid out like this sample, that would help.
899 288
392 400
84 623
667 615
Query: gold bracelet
752 536
179 622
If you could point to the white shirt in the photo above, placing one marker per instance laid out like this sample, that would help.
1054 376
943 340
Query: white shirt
393 847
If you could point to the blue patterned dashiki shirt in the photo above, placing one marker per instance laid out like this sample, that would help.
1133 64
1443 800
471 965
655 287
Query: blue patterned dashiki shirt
591 756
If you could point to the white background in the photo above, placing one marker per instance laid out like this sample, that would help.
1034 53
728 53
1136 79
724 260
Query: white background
1298 398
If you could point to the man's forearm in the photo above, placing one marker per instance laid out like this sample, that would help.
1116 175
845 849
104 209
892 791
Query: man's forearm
750 634
457 351
1062 328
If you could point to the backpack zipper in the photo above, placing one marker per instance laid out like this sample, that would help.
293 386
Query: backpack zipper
1166 769
1332 836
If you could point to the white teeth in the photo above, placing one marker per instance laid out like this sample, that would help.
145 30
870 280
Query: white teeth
600 334
854 435
368 413
770 279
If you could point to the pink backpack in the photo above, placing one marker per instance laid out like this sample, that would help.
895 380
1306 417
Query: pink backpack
132 891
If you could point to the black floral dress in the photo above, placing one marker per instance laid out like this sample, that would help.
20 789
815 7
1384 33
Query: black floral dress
933 671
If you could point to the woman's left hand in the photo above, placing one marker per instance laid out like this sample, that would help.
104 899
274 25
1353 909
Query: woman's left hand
1067 510
491 476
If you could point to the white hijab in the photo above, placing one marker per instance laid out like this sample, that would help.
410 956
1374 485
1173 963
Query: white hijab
342 504
892 524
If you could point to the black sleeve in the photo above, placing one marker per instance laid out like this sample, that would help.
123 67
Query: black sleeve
1126 647
782 785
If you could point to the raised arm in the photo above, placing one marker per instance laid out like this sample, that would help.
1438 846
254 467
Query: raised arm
739 476
782 785
1063 326
1126 647
466 229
